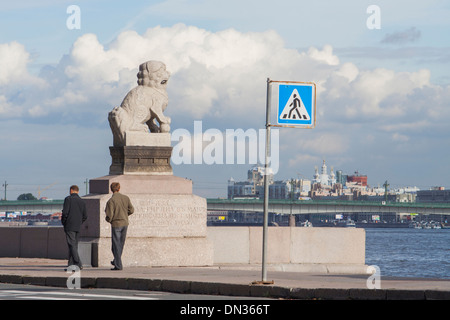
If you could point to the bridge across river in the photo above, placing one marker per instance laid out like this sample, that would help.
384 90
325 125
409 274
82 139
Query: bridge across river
32 206
326 206
275 206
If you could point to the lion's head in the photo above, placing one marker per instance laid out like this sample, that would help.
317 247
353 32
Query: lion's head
153 74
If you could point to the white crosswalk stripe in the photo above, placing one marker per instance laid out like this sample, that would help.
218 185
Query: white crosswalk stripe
64 295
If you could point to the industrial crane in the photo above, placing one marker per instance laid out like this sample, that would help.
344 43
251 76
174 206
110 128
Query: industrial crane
39 189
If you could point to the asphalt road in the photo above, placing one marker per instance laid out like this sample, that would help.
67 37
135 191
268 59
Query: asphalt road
171 305
29 292
174 305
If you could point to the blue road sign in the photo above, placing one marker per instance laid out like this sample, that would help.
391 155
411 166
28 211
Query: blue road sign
297 104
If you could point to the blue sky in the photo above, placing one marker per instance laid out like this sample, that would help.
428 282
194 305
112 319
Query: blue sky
383 94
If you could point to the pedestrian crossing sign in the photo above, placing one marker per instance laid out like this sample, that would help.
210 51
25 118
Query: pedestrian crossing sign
297 104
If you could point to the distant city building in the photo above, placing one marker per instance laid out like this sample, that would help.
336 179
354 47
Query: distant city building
340 177
326 185
436 194
359 179
253 187
240 189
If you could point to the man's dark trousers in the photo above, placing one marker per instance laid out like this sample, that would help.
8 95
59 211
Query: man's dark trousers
118 236
72 242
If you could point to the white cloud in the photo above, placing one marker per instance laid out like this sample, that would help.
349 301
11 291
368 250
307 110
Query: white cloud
324 144
13 62
13 66
326 55
214 74
7 109
376 94
373 87
408 126
348 71
400 137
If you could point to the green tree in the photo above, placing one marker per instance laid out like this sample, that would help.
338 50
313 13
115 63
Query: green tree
26 196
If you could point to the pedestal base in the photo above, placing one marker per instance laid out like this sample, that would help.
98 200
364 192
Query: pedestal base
168 227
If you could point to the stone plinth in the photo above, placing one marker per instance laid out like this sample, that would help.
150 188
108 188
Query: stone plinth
140 160
146 184
168 227
143 153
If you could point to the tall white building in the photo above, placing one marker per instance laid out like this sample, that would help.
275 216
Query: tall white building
324 178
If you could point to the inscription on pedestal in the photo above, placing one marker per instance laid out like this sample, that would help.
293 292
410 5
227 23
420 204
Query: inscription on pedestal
179 216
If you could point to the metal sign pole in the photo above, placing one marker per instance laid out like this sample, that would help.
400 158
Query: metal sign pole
292 123
266 185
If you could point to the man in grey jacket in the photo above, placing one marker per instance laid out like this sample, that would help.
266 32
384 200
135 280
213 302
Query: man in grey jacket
118 208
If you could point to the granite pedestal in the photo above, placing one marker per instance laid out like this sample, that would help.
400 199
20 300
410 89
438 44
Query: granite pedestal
168 226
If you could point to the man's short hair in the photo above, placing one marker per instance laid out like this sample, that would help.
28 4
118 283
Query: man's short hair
74 188
115 187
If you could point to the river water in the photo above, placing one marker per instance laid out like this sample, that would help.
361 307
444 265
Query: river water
422 253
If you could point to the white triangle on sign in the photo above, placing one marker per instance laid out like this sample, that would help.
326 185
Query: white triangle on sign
294 108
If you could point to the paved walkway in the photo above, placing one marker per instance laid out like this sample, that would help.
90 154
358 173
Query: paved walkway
225 280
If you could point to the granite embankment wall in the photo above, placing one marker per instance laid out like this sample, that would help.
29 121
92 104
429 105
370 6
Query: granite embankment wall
289 248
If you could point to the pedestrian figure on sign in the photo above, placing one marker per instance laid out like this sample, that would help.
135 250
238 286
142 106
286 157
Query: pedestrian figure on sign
296 105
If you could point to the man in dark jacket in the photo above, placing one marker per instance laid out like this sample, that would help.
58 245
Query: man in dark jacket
117 210
73 215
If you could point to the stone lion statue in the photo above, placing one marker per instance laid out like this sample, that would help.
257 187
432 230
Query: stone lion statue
142 108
